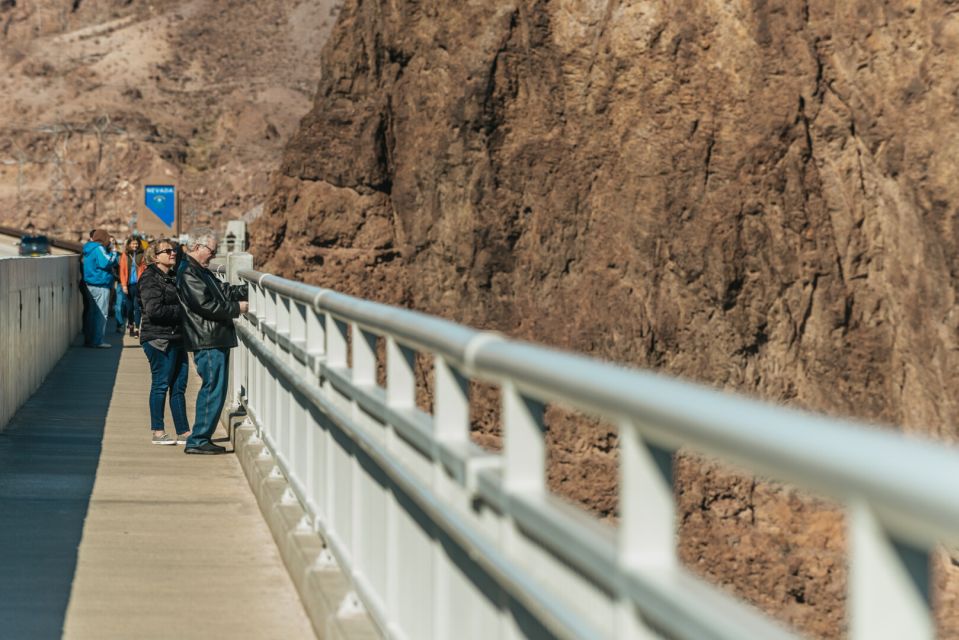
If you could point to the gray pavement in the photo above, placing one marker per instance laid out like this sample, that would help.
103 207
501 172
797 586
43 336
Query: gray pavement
105 535
48 461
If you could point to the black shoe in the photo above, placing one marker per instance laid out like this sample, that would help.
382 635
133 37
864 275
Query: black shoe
207 448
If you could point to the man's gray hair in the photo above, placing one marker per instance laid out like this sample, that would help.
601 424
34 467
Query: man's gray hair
201 236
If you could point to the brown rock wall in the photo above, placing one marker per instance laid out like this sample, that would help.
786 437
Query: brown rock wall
757 195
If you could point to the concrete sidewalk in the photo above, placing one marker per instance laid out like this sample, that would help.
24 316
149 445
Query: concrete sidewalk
173 546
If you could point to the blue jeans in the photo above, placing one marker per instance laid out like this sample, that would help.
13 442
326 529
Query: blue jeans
100 296
169 371
213 367
120 309
127 307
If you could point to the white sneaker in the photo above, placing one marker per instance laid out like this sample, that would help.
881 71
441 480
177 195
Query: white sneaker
104 345
181 437
161 437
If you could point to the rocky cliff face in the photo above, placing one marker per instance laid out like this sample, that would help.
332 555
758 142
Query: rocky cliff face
757 195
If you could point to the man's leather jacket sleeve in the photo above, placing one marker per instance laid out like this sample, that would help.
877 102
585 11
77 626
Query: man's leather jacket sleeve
235 292
204 300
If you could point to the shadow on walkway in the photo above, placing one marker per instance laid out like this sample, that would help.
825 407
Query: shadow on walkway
48 460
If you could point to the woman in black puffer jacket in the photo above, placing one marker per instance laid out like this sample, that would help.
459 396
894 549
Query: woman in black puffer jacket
162 342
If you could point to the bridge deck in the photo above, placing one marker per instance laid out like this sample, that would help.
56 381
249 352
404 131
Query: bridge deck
172 546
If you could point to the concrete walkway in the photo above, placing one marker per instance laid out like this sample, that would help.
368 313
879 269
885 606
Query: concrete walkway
173 546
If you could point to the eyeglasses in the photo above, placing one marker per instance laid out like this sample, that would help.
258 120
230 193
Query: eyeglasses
212 251
167 251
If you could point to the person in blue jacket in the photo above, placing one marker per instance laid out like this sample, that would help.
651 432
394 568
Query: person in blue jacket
99 259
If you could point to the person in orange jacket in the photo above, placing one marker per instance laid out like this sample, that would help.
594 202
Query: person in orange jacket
132 266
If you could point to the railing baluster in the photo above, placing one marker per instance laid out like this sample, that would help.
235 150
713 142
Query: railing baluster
451 403
335 341
400 381
889 582
647 530
525 447
364 356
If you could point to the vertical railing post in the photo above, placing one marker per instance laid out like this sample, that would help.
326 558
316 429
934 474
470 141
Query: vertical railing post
364 356
286 421
236 262
303 440
647 529
451 424
451 407
335 341
400 394
889 582
270 403
400 381
525 446
320 442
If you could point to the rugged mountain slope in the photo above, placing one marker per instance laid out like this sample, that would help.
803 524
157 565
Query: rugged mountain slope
99 94
760 196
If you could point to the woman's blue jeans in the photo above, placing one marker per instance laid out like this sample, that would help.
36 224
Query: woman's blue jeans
127 307
169 370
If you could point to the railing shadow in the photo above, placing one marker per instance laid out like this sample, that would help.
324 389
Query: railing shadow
48 461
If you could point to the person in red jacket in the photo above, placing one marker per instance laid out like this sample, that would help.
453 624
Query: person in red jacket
132 265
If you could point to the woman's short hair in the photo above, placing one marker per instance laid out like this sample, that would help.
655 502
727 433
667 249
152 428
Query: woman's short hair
151 252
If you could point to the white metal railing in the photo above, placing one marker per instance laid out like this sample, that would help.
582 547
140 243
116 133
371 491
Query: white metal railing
39 316
442 539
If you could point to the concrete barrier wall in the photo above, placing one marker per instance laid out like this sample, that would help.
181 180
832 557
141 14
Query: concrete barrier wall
40 313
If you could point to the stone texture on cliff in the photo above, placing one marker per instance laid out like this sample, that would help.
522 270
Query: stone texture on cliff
757 195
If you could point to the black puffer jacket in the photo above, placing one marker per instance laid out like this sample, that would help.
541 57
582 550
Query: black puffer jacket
161 306
207 307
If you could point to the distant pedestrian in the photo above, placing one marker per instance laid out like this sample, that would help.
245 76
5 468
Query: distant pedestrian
131 269
208 308
162 342
98 262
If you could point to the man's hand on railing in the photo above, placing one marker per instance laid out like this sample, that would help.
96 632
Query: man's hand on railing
244 306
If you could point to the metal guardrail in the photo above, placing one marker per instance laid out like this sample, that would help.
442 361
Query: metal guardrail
69 245
443 539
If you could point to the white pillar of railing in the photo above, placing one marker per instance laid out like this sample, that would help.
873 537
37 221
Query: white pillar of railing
235 262
889 582
451 422
304 431
524 442
401 383
364 356
647 529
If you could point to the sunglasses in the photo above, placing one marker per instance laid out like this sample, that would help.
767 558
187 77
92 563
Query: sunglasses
168 251
212 251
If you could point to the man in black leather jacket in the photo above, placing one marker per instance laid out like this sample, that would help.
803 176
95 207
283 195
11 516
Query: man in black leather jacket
208 308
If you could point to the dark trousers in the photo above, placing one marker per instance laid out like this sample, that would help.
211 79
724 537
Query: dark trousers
87 319
213 367
169 370
127 308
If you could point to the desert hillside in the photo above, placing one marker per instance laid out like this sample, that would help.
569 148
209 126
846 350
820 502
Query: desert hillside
759 196
102 94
